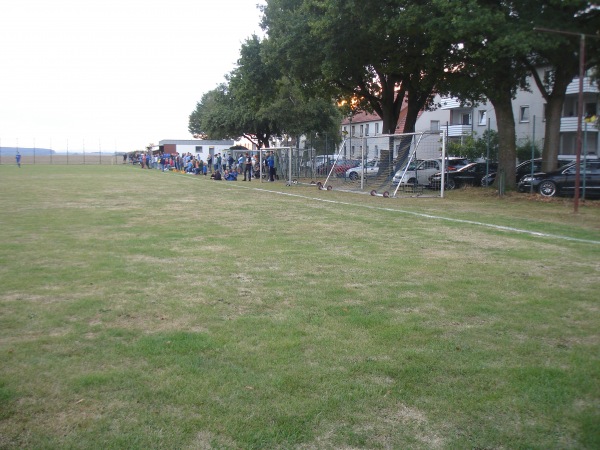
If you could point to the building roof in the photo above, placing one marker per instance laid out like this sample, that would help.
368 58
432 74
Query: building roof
362 117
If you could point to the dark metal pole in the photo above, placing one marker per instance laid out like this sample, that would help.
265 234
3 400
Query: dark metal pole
579 108
579 120
532 155
487 156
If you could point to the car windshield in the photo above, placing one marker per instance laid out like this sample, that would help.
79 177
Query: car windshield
413 164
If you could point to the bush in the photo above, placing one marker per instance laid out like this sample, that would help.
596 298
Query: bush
524 150
476 148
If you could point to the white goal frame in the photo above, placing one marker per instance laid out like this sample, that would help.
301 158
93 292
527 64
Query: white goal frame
414 151
287 151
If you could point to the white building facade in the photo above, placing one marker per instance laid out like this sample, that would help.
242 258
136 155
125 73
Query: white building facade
460 121
529 113
197 147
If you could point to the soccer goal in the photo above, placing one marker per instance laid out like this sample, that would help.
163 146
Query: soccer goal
285 159
385 164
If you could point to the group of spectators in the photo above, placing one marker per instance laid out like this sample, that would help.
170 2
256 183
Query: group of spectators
221 167
249 165
161 161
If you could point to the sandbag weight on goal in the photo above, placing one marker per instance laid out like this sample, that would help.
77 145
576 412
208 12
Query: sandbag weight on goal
386 194
373 193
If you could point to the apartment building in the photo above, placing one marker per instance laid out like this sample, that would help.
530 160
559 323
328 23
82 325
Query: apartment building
460 121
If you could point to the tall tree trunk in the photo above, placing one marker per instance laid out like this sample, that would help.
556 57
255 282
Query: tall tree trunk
555 97
507 154
552 133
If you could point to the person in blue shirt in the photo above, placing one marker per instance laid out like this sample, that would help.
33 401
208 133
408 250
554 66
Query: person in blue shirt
231 175
18 159
271 165
248 167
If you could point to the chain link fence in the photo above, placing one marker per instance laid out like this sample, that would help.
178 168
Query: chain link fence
45 158
385 164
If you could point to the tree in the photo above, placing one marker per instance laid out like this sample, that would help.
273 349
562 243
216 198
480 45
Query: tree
214 117
373 54
489 47
259 103
558 54
496 48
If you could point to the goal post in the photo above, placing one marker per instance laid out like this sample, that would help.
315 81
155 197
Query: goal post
284 159
377 163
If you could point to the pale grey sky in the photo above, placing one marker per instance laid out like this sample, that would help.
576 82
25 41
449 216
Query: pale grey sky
108 74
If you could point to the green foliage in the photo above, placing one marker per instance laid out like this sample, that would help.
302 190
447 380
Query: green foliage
524 150
370 53
474 149
215 116
259 103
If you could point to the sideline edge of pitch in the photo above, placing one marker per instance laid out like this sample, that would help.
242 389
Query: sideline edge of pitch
427 216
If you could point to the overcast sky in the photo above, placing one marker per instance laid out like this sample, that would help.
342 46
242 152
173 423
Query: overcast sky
113 74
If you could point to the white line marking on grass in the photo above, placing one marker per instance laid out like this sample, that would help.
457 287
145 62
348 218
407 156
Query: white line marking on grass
428 216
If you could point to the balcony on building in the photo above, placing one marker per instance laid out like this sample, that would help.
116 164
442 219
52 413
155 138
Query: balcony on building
568 122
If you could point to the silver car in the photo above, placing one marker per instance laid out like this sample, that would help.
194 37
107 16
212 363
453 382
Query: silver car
419 173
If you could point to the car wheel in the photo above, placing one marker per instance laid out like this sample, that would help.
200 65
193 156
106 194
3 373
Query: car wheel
548 188
412 181
450 184
353 176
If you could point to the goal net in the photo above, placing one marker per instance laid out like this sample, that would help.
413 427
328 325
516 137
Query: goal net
398 164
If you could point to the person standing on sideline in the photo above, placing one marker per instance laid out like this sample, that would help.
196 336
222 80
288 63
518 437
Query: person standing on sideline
248 167
18 159
209 162
271 165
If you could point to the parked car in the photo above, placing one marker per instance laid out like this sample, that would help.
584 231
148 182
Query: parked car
371 168
522 169
562 181
341 166
420 173
471 175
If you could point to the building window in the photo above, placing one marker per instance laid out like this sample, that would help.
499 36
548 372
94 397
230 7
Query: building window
434 125
482 117
524 114
211 150
376 151
198 149
466 119
366 129
353 131
362 130
376 129
345 130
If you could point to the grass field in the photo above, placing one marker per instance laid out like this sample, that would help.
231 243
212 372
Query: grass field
141 309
